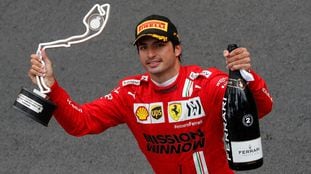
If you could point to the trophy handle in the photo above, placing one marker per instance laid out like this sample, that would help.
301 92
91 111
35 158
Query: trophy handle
44 89
95 21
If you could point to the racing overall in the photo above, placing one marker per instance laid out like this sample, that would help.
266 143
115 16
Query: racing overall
179 128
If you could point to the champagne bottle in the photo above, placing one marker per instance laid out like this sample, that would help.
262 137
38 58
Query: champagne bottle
241 124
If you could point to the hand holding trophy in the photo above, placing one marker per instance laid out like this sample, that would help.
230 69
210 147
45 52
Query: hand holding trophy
35 104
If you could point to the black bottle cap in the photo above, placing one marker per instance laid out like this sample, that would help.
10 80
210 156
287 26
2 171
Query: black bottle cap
232 47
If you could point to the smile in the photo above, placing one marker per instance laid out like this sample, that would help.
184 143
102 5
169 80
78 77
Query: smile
154 63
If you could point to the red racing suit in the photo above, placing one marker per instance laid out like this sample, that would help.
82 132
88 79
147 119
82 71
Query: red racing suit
179 128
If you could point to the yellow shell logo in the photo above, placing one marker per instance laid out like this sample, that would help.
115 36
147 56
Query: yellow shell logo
142 113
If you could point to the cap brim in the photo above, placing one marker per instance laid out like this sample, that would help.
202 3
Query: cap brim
156 36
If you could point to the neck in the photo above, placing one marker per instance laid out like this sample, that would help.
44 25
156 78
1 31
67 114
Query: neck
165 76
166 83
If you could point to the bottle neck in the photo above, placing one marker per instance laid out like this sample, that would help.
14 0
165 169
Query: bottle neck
235 74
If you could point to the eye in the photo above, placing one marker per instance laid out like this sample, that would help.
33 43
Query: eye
142 47
160 44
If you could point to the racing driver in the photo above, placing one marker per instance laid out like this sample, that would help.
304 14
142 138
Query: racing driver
174 111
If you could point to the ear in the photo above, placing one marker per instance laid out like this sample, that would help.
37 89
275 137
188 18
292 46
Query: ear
178 50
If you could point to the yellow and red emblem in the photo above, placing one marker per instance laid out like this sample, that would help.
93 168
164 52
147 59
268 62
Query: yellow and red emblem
152 24
142 113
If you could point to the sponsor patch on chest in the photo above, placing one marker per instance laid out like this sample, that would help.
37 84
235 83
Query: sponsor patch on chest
184 110
176 111
149 113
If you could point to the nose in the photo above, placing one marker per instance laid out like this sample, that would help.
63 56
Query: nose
151 53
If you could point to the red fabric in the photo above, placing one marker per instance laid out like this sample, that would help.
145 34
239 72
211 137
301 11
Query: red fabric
170 124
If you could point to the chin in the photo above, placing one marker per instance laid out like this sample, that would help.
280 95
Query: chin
154 70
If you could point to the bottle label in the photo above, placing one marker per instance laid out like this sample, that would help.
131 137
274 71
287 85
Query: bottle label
236 83
246 151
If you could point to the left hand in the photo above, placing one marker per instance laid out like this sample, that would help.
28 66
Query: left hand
238 59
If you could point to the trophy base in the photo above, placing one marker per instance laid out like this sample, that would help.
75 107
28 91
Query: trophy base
35 106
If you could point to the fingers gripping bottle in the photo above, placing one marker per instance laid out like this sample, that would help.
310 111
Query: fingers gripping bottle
241 124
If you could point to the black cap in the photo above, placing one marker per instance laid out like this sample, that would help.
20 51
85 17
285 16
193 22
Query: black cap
156 26
232 47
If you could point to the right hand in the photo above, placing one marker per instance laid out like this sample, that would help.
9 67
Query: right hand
238 59
38 69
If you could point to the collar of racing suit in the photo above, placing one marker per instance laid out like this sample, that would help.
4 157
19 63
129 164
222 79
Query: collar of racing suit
171 87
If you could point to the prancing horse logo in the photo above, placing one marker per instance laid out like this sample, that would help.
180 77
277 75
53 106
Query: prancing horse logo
175 111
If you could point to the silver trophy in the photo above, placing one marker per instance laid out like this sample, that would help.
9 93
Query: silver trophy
35 103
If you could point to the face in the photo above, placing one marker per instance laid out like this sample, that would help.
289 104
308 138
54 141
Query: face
159 58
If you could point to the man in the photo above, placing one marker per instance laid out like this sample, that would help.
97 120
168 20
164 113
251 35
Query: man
174 111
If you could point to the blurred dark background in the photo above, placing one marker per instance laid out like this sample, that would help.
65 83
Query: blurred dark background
276 32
